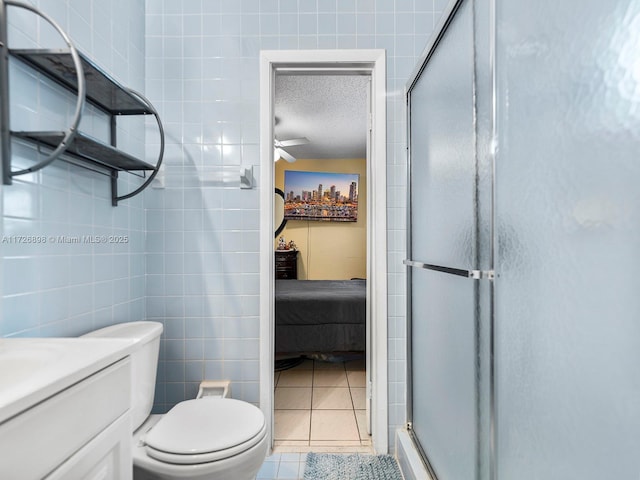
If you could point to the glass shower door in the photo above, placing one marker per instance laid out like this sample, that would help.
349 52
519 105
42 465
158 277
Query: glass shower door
568 225
526 160
442 292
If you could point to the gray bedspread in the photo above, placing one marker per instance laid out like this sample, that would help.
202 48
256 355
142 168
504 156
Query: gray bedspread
320 315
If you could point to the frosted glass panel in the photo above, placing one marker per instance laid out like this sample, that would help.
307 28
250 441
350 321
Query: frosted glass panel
568 226
442 150
443 372
442 183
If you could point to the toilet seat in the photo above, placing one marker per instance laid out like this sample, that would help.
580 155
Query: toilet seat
205 430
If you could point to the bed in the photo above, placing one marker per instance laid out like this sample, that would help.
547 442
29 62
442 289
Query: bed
323 316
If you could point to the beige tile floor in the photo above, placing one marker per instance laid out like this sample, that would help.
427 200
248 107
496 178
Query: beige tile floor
321 405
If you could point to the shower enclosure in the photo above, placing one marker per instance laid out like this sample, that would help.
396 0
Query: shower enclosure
523 242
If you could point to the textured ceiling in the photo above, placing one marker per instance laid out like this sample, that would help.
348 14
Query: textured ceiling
329 110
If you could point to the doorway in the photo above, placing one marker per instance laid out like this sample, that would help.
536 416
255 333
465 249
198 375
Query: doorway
369 63
321 162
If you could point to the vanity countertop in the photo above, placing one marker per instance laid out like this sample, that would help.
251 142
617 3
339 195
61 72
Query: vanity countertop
33 369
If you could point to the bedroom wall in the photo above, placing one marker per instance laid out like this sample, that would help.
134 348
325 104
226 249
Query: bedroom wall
329 250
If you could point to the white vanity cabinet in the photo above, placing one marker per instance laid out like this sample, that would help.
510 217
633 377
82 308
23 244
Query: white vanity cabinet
77 424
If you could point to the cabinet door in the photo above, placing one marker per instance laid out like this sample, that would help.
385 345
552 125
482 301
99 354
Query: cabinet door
106 457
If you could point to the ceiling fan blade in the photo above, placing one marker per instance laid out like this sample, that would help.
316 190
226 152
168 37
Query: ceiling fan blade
288 157
293 142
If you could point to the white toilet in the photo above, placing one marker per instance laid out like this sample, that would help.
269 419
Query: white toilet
203 439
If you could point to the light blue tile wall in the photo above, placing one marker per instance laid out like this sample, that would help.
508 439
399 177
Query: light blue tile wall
53 288
202 241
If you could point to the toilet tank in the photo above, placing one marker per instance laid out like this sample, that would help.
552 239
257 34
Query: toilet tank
144 362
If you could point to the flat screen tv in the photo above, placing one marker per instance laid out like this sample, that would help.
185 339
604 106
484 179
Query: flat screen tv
321 196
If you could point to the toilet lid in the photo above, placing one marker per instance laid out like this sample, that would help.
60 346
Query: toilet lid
206 425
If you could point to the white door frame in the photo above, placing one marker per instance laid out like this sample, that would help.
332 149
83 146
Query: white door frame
372 62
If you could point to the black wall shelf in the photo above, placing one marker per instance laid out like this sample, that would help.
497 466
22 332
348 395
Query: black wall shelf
79 74
88 149
102 90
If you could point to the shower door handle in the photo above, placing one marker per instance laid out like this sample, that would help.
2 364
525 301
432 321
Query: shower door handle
473 274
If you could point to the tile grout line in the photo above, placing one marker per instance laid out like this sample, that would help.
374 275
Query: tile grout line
353 404
313 373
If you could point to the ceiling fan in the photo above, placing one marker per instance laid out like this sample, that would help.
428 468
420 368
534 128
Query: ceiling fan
279 147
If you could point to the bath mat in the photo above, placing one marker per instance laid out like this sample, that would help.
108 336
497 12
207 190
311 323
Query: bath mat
332 466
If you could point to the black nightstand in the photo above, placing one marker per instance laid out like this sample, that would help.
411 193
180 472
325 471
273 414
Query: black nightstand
287 264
